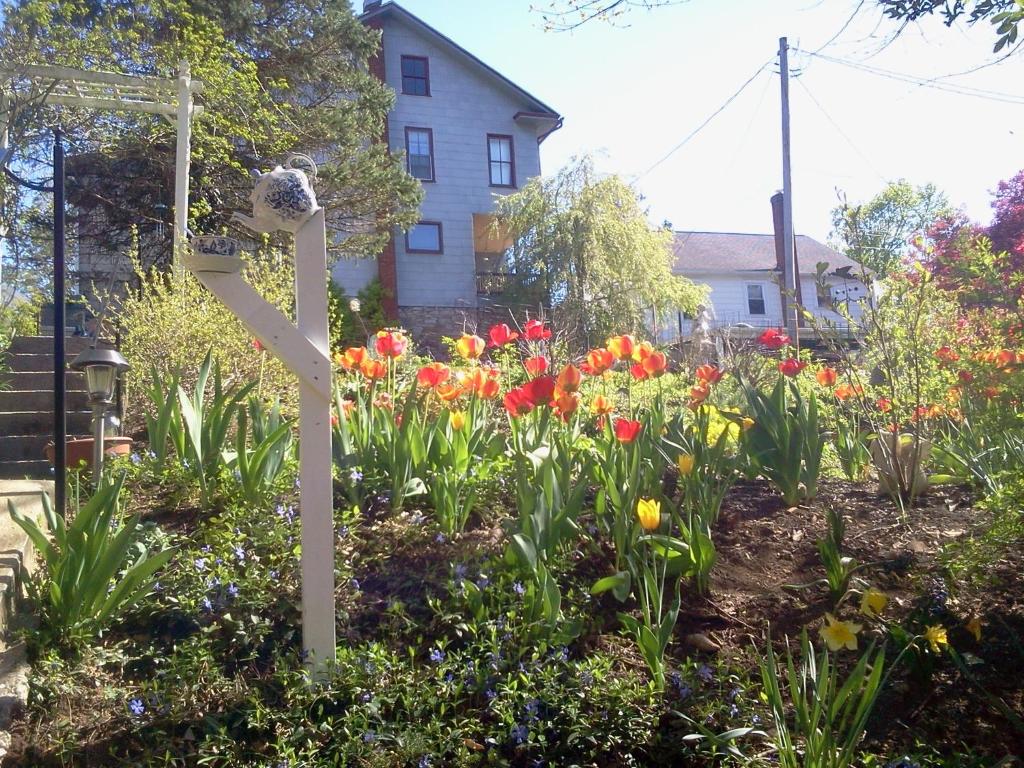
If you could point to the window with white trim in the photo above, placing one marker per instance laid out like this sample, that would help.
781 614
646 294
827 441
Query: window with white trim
755 299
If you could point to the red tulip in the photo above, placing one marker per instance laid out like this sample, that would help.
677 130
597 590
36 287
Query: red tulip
257 345
626 430
517 403
636 370
791 366
655 364
539 390
946 355
965 376
433 375
535 331
773 338
501 334
391 343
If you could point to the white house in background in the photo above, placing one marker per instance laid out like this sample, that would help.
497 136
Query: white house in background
744 276
469 134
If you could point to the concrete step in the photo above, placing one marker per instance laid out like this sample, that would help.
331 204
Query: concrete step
20 470
39 345
41 422
39 400
74 381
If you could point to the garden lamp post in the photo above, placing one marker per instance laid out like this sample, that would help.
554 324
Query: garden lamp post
101 367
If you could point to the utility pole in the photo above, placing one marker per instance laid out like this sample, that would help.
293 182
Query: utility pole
789 276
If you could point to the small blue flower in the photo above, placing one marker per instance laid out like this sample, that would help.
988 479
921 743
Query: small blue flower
518 588
136 459
343 532
200 563
354 583
355 476
490 694
136 706
520 733
440 538
232 590
239 553
460 572
436 655
151 454
207 605
586 677
734 711
365 696
206 548
705 673
369 736
158 587
482 581
273 575
424 762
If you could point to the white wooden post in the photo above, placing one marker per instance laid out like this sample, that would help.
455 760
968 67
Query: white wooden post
304 350
182 161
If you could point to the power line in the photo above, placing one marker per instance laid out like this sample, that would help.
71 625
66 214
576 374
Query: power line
962 90
710 117
839 130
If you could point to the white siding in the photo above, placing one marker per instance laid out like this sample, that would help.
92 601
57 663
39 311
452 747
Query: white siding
464 106
729 298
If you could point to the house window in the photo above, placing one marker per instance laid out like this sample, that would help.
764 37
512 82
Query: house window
419 153
500 161
424 237
415 75
755 299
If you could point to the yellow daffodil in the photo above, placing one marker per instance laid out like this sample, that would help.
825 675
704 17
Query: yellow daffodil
685 463
936 637
873 602
839 634
649 513
974 627
457 420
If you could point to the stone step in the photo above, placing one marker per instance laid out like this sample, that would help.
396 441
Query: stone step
40 400
32 362
74 381
23 448
17 555
39 345
41 423
25 469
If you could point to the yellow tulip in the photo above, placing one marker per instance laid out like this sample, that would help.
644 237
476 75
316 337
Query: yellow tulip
839 634
685 463
974 627
457 420
470 346
936 637
649 513
873 602
746 423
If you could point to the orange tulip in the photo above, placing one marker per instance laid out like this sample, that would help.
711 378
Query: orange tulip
569 379
884 404
373 369
946 355
565 403
827 377
470 346
601 405
699 393
708 373
598 361
481 382
621 347
352 358
655 364
449 392
536 366
845 391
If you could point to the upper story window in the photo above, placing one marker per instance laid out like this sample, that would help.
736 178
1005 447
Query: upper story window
501 162
424 237
416 75
755 299
419 153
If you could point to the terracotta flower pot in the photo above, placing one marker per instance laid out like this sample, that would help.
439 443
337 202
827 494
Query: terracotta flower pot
78 450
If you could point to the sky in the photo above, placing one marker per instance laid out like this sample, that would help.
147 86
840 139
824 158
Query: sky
631 93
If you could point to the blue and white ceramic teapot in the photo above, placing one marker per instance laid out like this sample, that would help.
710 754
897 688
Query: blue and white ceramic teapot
283 198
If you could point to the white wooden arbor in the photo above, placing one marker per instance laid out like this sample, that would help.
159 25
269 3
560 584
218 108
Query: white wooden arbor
172 98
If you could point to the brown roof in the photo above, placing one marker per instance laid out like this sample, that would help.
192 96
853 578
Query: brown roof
736 252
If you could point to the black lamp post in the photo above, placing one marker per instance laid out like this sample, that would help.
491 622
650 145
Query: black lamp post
102 367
